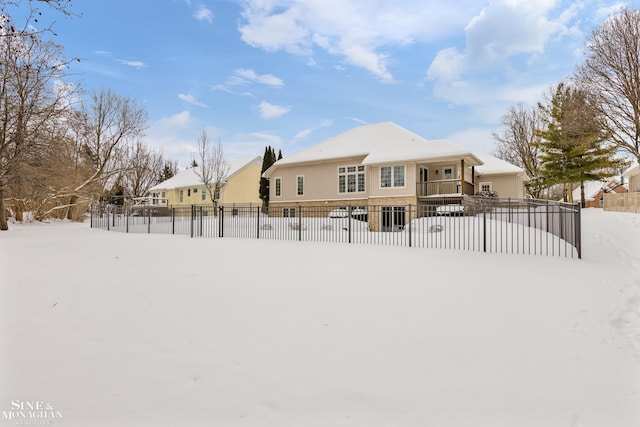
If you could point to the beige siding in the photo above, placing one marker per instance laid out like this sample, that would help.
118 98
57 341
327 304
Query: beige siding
634 184
505 185
320 183
409 188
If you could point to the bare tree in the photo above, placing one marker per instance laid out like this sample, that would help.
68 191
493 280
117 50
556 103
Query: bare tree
517 142
107 125
611 71
97 138
33 13
142 166
31 103
212 168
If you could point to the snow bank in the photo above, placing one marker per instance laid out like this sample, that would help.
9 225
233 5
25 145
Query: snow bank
156 330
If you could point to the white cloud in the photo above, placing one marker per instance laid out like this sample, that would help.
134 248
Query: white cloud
135 64
203 14
271 111
357 31
304 134
499 63
190 99
448 65
245 75
604 12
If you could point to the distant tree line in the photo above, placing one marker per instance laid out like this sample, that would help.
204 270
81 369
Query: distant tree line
581 129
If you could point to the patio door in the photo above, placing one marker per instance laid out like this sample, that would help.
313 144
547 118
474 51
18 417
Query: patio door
393 218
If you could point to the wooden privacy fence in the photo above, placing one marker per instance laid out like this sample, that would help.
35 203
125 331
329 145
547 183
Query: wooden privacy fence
534 227
622 202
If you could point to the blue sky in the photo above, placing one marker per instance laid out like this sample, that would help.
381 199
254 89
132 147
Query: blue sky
291 73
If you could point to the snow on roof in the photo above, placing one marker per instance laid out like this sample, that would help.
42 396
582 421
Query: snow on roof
632 170
378 143
592 188
189 177
493 165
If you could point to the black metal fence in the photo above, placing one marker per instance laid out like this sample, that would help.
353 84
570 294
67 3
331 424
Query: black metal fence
534 227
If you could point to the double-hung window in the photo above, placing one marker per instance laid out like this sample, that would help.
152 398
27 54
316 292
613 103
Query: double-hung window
392 176
300 185
351 179
278 187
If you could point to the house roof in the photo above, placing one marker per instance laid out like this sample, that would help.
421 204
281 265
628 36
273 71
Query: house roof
189 177
632 170
377 143
592 188
495 166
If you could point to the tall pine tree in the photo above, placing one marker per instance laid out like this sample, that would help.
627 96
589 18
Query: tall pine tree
268 159
574 144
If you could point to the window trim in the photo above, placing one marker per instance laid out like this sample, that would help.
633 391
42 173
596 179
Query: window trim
299 191
453 172
360 170
489 183
277 186
393 177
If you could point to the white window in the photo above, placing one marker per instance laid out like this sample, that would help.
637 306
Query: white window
485 186
204 193
392 176
300 185
278 187
289 212
447 173
351 179
181 195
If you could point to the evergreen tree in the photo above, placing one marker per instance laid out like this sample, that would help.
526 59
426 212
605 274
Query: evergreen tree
268 159
194 164
574 144
279 154
165 173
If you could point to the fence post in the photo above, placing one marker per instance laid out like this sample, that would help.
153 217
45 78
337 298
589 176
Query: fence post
173 220
201 216
299 223
126 215
91 219
484 229
221 221
577 225
410 225
149 220
258 223
349 211
108 220
191 221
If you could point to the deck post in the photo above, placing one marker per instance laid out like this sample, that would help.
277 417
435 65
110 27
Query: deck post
462 177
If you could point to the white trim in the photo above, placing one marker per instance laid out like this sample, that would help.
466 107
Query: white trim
346 174
453 172
275 186
486 183
298 194
393 177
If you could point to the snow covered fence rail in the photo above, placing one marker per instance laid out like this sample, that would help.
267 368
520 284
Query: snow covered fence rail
534 227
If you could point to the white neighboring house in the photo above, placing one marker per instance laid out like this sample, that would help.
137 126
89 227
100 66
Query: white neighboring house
633 176
240 187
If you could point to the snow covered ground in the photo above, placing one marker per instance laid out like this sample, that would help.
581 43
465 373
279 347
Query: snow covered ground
114 329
